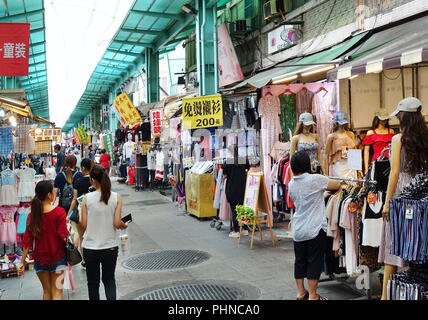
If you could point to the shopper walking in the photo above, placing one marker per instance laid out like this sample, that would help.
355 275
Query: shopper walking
64 182
81 187
105 161
60 158
101 217
309 224
45 235
91 153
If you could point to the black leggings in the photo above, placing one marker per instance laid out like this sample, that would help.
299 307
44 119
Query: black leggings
107 259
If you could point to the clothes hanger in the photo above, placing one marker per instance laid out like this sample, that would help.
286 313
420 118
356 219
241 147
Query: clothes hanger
288 91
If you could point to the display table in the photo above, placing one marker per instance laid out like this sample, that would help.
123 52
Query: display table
200 195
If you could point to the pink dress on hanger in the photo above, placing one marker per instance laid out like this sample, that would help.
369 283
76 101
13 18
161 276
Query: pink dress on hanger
269 110
7 225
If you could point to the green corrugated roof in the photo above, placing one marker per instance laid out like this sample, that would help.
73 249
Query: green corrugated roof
263 78
36 83
157 24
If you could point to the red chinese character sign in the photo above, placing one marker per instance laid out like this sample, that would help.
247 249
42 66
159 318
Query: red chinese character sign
14 49
156 117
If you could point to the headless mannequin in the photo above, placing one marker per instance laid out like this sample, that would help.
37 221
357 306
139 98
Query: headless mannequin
306 137
381 129
342 131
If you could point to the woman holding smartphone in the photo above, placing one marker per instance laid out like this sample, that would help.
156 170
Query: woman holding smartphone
101 217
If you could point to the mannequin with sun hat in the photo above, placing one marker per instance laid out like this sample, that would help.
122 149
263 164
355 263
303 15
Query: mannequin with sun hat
378 138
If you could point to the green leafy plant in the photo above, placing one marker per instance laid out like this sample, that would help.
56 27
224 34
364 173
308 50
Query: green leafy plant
244 214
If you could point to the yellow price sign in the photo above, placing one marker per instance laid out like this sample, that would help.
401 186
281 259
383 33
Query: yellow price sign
202 112
127 110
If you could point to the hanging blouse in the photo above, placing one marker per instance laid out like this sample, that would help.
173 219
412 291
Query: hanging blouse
379 142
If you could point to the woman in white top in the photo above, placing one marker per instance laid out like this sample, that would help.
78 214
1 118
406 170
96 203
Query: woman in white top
101 217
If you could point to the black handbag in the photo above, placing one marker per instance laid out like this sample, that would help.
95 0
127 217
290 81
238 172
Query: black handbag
74 215
73 255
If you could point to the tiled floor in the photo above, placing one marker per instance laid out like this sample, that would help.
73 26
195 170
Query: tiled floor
162 226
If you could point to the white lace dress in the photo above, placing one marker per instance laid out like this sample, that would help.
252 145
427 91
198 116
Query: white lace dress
26 189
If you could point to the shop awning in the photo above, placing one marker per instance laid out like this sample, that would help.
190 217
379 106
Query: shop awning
298 64
21 108
396 47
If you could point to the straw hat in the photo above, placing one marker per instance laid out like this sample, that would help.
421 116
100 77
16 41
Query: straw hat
383 114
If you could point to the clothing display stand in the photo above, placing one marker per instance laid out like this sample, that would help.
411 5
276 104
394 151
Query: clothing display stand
363 279
256 198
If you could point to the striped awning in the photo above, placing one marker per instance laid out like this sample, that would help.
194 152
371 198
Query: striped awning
402 45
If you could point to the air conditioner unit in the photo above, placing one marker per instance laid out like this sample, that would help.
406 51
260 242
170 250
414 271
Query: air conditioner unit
274 8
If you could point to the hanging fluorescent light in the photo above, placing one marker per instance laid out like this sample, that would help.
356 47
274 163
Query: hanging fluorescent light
189 9
12 121
2 113
284 79
319 70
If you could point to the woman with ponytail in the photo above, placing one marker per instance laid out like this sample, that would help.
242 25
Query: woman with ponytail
101 217
45 235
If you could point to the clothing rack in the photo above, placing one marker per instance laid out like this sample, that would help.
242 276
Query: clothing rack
354 180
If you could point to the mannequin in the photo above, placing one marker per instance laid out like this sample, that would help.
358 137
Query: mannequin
128 149
305 139
338 143
378 138
409 151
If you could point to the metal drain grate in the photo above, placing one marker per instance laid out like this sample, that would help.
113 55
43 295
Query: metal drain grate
148 202
165 260
195 292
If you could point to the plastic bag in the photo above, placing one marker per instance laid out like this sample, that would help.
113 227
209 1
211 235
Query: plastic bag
124 243
69 279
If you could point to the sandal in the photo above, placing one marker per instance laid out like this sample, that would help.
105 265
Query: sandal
305 297
321 298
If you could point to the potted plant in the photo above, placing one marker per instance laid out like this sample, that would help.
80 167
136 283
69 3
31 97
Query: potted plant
244 214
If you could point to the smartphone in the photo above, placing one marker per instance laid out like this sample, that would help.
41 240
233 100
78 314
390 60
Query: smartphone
127 218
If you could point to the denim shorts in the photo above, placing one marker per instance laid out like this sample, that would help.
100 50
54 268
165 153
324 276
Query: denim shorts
59 266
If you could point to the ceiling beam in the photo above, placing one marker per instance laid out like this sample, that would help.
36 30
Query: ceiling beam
143 31
174 31
134 43
12 18
133 54
171 16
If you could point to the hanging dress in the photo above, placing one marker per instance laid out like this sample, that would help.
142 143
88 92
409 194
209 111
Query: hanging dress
26 189
22 219
8 194
7 225
269 110
385 255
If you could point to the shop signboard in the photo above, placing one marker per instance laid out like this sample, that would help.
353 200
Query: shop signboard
108 143
156 117
229 69
127 111
202 112
283 37
47 134
14 49
83 136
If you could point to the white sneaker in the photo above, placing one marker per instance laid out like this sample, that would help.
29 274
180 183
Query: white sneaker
245 232
234 235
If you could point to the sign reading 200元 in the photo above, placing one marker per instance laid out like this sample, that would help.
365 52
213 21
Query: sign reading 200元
202 112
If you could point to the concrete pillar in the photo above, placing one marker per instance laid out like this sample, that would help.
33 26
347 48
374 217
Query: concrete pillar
152 72
206 48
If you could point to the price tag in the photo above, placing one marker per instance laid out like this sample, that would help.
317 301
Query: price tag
409 212
402 293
